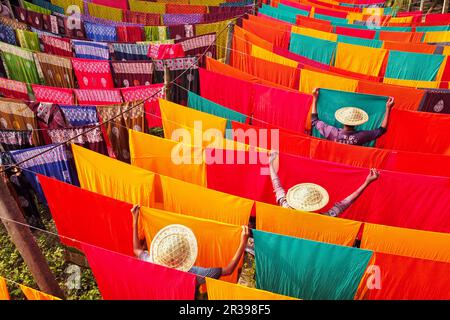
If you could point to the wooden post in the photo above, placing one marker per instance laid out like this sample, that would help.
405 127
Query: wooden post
409 5
229 42
445 6
25 242
166 80
422 3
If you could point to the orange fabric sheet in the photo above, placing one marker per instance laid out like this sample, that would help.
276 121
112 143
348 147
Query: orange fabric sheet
276 33
156 154
406 242
186 198
217 242
221 290
314 24
113 178
312 226
4 294
410 47
32 294
405 98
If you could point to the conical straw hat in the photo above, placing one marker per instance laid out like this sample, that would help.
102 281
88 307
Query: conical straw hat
174 246
307 197
351 116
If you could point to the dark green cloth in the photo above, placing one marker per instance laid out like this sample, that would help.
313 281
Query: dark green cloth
308 269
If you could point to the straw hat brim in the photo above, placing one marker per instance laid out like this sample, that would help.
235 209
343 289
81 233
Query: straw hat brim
340 116
170 230
298 205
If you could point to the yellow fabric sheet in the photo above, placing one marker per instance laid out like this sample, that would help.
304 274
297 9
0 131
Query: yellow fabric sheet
312 226
105 12
437 36
167 157
32 294
113 178
148 7
412 83
217 27
352 16
272 57
446 51
201 202
220 290
4 294
315 33
217 242
194 123
405 20
360 59
206 2
311 79
67 3
406 242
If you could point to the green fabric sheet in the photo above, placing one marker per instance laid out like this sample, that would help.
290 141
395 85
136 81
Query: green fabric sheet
413 66
329 101
19 64
201 104
283 15
293 10
28 40
32 7
313 48
360 41
433 28
333 20
308 269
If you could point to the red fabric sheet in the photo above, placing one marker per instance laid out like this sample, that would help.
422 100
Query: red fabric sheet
404 278
438 18
120 277
360 33
120 4
422 163
331 13
92 74
98 97
53 94
130 33
418 132
89 217
282 108
229 92
296 5
396 199
314 24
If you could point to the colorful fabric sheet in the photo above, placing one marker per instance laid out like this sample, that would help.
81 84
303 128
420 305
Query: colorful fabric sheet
57 46
314 270
404 242
4 294
426 137
195 122
306 225
222 37
107 176
80 115
98 97
282 108
19 64
155 154
53 94
311 79
57 71
7 34
404 278
120 277
165 51
13 89
92 74
234 93
98 32
122 117
130 33
178 197
221 290
150 94
316 49
360 41
91 218
436 101
91 50
56 162
32 294
262 53
217 242
204 105
132 73
410 66
330 101
359 59
130 51
28 40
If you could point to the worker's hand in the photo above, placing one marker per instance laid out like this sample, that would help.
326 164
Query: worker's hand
245 233
372 176
135 210
390 102
273 156
315 92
